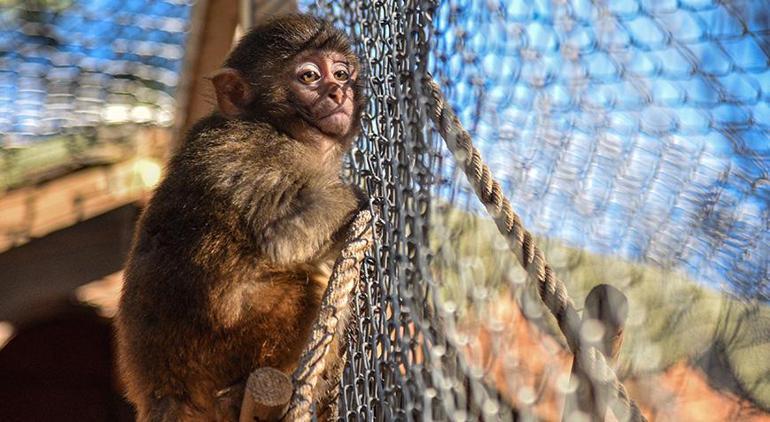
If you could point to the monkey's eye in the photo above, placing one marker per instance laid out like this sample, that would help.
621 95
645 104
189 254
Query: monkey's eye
342 75
309 76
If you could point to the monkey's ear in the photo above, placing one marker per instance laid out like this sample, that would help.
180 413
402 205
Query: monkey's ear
233 91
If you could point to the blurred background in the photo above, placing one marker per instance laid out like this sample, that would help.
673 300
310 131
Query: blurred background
630 135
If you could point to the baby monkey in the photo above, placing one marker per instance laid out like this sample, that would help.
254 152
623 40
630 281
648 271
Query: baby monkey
233 253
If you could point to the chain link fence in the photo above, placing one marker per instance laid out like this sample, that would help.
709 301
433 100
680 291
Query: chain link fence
632 136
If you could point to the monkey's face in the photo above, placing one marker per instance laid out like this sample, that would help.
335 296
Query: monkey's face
300 75
321 88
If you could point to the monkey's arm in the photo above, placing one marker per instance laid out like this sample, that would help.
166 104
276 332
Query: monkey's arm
271 186
307 218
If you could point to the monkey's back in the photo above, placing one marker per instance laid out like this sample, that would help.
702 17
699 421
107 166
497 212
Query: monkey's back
200 307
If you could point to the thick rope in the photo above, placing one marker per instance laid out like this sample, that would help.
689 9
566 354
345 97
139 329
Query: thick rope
344 278
552 290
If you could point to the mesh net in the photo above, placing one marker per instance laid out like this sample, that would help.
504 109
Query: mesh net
68 64
632 128
631 135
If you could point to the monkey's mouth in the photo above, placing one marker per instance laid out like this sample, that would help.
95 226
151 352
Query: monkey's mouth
335 123
333 113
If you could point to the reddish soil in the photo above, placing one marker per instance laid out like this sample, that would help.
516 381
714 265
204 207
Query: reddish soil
532 370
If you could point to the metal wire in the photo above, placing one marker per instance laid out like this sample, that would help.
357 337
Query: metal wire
592 151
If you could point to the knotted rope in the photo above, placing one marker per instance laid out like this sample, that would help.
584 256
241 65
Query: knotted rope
343 280
551 290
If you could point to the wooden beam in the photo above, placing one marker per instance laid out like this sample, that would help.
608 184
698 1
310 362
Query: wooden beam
35 211
211 36
266 9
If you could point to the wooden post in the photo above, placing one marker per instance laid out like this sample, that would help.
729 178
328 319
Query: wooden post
267 395
606 309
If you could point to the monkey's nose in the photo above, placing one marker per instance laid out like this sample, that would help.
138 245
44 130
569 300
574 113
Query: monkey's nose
336 94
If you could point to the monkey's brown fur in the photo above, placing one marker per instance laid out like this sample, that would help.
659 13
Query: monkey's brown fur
232 255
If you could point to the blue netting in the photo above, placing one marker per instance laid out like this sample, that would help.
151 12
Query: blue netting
635 128
75 64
